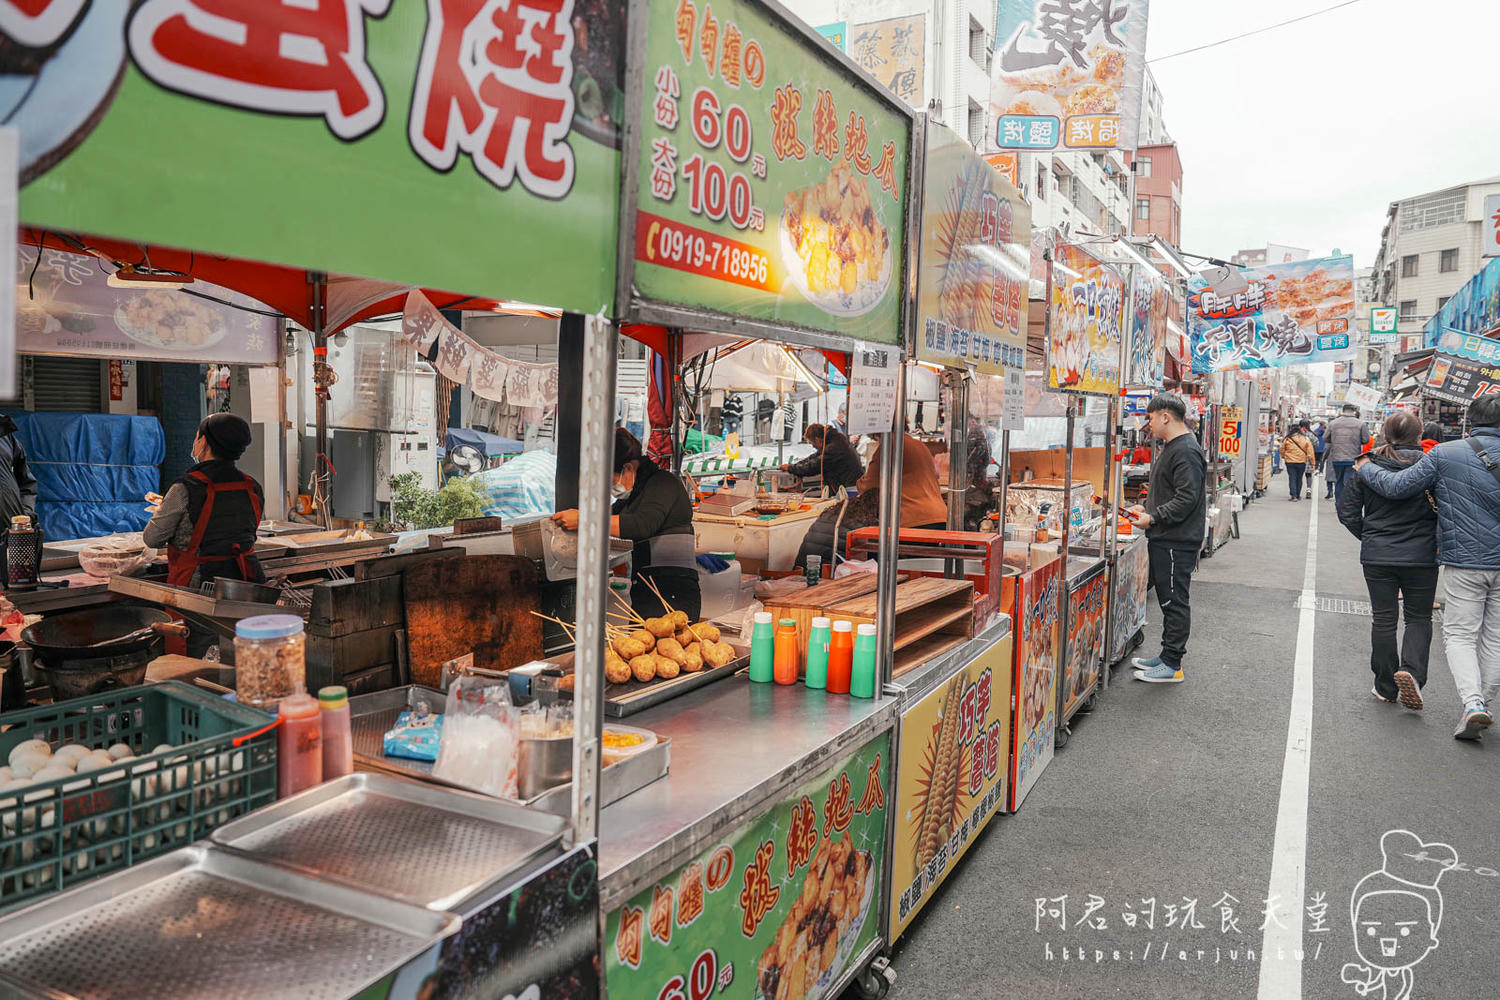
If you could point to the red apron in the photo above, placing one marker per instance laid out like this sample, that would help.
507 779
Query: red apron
181 565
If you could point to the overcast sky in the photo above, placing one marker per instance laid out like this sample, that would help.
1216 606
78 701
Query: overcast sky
1305 134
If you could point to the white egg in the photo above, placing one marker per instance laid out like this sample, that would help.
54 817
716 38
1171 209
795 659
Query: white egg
92 763
120 751
29 747
5 775
102 756
53 772
22 769
30 762
71 752
162 746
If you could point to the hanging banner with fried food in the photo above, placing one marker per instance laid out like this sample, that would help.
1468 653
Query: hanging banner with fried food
1087 325
1068 74
1298 313
780 908
974 274
772 177
955 745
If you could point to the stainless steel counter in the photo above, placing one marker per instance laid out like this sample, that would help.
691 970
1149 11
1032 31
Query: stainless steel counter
735 746
1081 569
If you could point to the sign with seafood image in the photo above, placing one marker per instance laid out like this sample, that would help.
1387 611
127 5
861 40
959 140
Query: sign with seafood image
1034 722
772 181
1298 313
778 909
1087 324
1068 74
950 777
974 273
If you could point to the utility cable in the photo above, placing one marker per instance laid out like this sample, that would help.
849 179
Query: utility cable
1257 31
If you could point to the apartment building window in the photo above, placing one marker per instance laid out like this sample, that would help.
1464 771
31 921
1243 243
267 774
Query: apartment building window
976 126
1442 301
1143 209
1409 266
1143 166
1448 261
1041 182
1442 209
976 41
1408 309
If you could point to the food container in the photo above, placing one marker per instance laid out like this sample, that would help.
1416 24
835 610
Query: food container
621 742
270 659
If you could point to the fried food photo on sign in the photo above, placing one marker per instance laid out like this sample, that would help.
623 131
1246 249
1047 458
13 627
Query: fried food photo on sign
833 227
807 943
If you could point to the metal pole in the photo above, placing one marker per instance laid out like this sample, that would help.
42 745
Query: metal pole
890 526
321 465
595 458
1004 486
1067 535
1109 545
958 448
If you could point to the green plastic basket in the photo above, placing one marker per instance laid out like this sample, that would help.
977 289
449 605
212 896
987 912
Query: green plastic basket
56 834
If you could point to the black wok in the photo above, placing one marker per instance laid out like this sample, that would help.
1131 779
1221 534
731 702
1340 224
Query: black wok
77 635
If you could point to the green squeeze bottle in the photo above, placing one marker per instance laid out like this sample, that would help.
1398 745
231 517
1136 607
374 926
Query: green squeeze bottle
862 681
762 649
819 636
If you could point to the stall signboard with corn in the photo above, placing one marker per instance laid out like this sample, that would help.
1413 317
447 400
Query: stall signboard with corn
777 910
771 184
950 777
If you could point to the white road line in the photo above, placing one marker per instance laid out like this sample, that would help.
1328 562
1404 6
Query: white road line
1280 968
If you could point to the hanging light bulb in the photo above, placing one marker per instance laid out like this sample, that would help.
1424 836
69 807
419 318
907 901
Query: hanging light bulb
291 343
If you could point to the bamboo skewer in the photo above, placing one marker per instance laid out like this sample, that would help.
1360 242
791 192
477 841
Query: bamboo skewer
670 610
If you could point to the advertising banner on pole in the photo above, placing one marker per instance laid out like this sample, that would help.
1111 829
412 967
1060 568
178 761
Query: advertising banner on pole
1067 74
1087 324
1146 346
954 749
340 136
1473 309
1383 320
1461 380
1300 313
771 182
1034 724
974 273
778 907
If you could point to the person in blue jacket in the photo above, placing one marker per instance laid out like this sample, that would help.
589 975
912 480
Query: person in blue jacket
1464 477
1320 447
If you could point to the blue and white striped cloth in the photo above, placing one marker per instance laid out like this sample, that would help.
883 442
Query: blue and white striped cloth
524 486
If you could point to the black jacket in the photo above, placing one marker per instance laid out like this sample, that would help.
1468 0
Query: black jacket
657 506
1391 532
17 487
837 463
1175 496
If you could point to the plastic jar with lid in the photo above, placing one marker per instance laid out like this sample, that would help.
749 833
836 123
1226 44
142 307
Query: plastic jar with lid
270 658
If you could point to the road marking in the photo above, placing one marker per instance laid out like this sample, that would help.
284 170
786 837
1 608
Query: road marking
1280 969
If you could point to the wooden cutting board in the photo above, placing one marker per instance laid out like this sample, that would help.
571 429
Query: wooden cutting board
476 604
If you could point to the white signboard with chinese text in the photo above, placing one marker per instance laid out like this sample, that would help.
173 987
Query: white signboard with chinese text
872 390
1362 396
67 307
1013 406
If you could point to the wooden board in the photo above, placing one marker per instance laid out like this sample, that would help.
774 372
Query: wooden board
932 616
478 604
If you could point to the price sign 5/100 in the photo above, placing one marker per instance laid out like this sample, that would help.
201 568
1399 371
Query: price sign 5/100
1229 438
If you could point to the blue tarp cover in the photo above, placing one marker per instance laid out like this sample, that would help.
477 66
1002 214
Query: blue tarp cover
93 470
492 445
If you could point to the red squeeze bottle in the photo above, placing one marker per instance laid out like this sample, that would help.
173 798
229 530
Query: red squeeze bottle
840 658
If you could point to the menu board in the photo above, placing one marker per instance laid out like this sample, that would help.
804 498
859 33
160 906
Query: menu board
778 908
1088 323
771 185
872 391
974 275
951 780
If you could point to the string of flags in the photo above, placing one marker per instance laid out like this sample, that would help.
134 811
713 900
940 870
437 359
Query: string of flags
464 362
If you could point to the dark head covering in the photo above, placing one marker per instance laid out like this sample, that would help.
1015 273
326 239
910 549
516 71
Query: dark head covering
227 434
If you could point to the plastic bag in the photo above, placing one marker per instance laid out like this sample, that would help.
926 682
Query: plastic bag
417 734
117 555
481 736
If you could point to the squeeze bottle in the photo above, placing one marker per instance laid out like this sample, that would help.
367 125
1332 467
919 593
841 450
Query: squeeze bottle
818 641
840 657
786 654
338 741
862 682
762 651
299 744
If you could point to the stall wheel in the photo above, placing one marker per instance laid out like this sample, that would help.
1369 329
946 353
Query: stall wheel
1138 640
875 980
1090 703
1064 733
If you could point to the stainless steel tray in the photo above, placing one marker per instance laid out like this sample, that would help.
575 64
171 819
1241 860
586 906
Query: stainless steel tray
425 844
372 715
622 700
205 923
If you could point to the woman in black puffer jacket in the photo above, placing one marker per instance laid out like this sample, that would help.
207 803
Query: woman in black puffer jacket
1398 550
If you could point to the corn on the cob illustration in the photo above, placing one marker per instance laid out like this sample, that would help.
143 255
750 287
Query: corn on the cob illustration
942 787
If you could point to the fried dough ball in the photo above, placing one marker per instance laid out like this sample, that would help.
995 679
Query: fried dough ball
672 650
660 627
645 638
680 619
707 632
629 648
685 638
616 671
667 668
692 658
643 667
717 654
566 681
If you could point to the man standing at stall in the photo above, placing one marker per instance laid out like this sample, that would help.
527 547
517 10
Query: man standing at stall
17 487
1173 517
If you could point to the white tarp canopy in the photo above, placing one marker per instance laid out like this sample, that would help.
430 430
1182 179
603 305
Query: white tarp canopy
760 366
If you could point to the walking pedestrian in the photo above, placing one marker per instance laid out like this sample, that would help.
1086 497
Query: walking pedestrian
1173 516
1297 450
1398 552
1465 478
1432 435
1320 446
1344 441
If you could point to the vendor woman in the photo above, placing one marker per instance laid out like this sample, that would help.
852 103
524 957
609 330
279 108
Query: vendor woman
657 515
209 517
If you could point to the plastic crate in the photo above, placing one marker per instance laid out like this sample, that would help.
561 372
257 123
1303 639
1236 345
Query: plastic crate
56 834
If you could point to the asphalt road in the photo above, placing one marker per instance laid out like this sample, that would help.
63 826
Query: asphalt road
1162 812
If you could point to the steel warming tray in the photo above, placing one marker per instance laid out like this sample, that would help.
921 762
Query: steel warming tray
206 923
426 844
